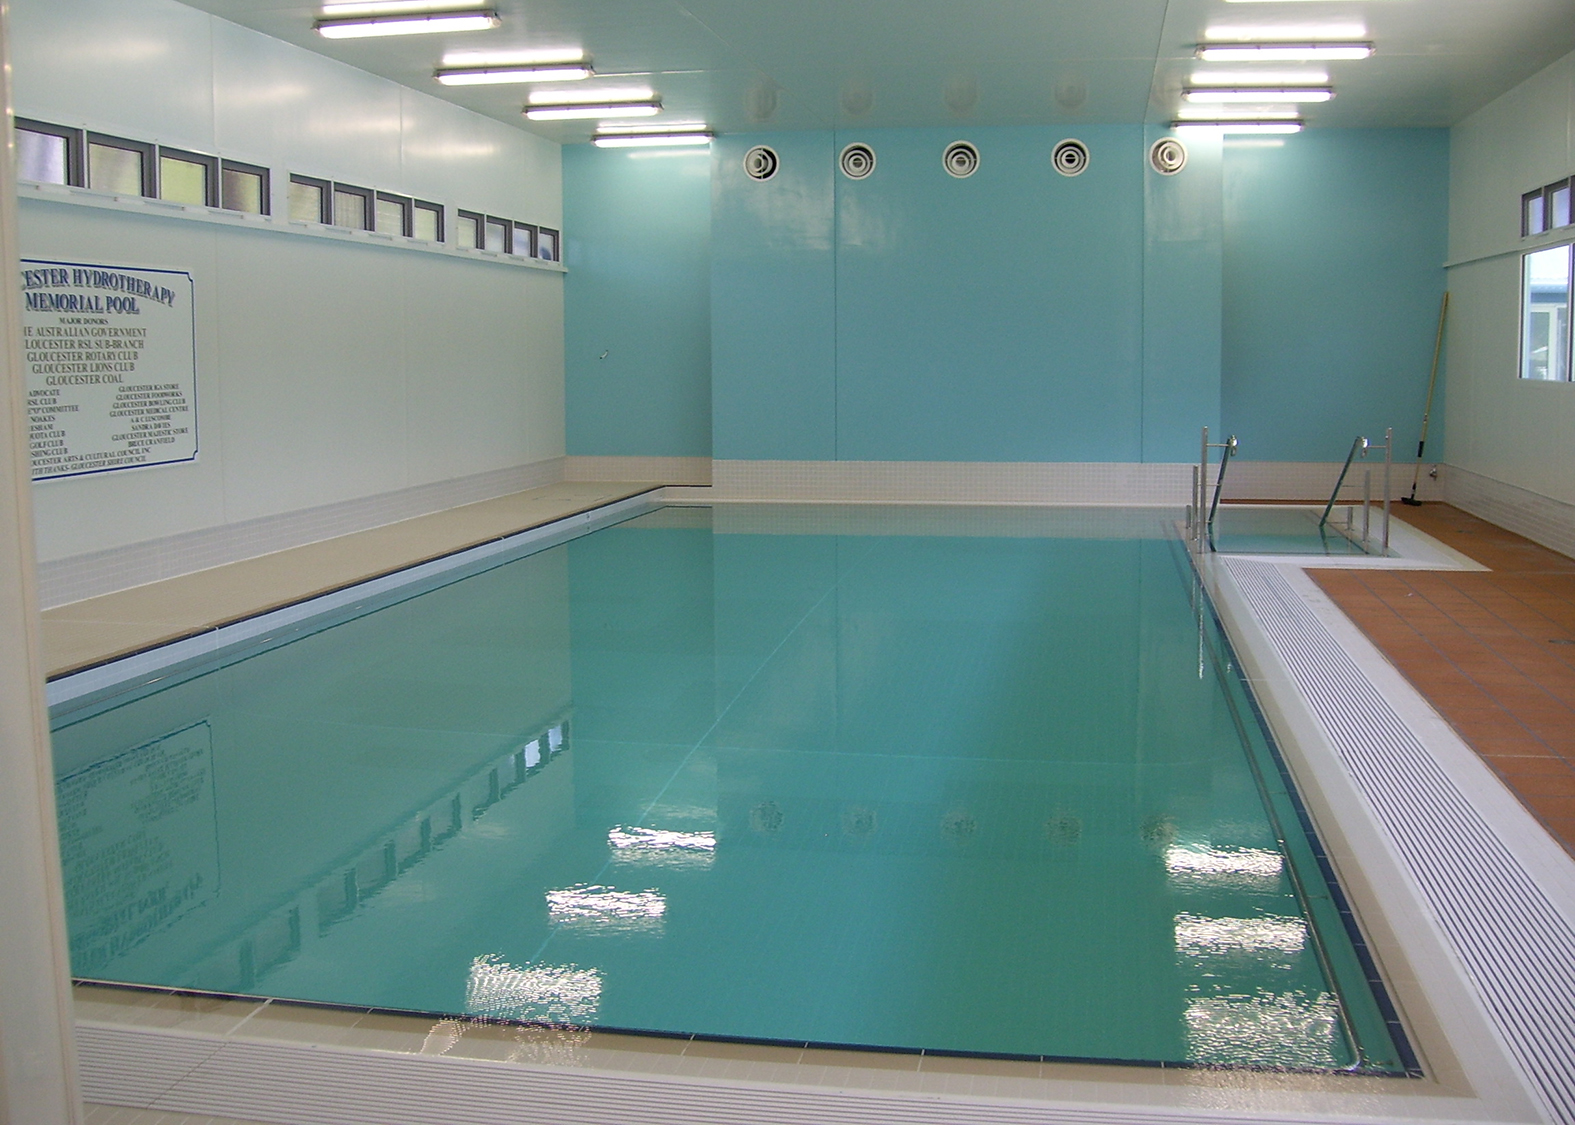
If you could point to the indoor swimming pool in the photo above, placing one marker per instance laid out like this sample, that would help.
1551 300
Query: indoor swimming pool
947 780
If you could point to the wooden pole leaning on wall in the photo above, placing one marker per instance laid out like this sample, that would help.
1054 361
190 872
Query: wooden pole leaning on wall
38 1062
1427 410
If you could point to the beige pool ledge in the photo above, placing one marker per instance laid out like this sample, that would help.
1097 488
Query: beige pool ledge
94 630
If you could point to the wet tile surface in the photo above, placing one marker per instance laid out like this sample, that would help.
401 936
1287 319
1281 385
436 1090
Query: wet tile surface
1493 651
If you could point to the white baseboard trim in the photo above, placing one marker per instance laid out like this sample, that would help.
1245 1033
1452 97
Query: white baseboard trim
1313 480
1539 518
660 470
88 575
1106 484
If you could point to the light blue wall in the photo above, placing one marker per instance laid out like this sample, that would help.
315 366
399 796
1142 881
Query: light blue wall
774 302
637 241
993 318
1288 292
1334 254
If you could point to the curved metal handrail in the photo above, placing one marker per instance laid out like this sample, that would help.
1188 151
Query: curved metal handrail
1226 451
1357 446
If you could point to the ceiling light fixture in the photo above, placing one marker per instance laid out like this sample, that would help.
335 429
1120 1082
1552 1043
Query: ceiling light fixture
570 111
1215 94
418 24
1312 77
1282 52
498 75
532 56
1225 125
649 140
1237 113
335 8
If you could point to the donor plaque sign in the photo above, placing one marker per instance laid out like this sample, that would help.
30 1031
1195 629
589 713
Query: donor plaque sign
110 353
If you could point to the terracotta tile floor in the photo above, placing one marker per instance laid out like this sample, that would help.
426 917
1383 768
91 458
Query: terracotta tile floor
1493 651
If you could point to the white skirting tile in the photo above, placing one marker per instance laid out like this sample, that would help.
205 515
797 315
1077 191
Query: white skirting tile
1539 518
1108 484
101 572
1313 480
663 470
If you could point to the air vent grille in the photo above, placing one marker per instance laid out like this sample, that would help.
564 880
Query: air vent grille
857 161
961 159
1070 158
760 163
1167 156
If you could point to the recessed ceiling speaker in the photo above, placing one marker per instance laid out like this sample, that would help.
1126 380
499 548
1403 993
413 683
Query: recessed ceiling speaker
857 161
1167 156
1070 158
960 159
760 163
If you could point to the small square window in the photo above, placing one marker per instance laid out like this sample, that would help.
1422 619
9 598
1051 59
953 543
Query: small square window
427 222
393 215
309 200
1532 217
243 187
353 207
467 229
547 248
1558 204
120 166
1545 315
524 244
48 154
188 177
495 235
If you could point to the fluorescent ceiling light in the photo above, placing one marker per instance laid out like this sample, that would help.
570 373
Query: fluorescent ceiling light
1216 94
1282 52
1222 125
1288 33
387 7
1237 113
649 140
602 96
1260 78
580 110
524 57
366 27
497 75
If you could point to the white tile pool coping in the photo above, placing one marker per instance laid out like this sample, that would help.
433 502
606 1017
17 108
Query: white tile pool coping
1468 904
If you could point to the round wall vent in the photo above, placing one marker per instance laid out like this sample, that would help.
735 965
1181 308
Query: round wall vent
1070 158
960 159
857 161
1168 156
760 163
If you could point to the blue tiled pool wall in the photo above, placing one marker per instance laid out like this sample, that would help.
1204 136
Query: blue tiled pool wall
679 683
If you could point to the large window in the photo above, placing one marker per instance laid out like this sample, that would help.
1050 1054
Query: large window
1545 315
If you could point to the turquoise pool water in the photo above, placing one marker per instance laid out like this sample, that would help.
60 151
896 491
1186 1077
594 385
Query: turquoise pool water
1260 529
948 780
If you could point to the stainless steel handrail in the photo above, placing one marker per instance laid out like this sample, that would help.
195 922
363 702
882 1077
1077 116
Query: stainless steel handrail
1357 446
1227 450
1363 446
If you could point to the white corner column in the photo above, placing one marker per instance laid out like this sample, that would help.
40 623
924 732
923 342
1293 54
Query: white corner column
38 1067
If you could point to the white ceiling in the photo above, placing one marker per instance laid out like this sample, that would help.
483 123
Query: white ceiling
811 64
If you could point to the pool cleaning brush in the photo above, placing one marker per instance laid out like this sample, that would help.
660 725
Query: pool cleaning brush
1427 411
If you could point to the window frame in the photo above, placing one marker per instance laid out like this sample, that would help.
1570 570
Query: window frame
557 244
529 231
325 198
368 199
481 227
429 206
147 150
76 146
249 169
210 163
508 233
1568 342
407 216
1568 187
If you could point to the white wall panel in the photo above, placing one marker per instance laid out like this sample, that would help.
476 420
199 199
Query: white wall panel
327 371
143 70
1498 425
